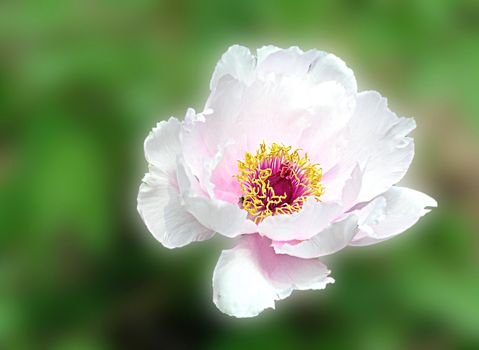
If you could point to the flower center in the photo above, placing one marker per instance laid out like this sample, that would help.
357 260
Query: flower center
277 180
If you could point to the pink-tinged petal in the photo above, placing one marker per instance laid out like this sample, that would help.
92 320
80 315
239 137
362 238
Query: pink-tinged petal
159 201
250 277
331 108
201 137
391 214
248 113
260 112
237 62
304 224
240 120
332 239
217 215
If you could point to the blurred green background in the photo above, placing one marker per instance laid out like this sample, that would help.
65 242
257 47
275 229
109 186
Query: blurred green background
83 82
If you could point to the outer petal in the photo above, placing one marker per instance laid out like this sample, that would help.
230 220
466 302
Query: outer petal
237 62
165 217
328 67
378 142
291 61
320 66
351 189
162 145
311 219
250 277
391 214
334 238
159 202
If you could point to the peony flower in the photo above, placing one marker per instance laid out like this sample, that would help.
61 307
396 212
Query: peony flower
288 158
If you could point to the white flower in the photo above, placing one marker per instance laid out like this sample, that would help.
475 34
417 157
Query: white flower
290 158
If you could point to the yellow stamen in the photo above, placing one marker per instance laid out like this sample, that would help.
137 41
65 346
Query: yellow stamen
259 196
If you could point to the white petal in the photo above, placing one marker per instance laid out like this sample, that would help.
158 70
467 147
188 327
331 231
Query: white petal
378 142
240 287
250 277
391 214
159 201
165 217
332 239
237 62
220 216
328 67
320 66
352 188
162 145
263 52
291 61
304 224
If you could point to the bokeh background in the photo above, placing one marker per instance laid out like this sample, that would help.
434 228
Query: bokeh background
83 82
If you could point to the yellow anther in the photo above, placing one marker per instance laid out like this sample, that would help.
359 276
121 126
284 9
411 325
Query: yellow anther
260 199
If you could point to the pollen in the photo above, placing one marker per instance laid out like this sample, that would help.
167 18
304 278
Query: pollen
277 180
